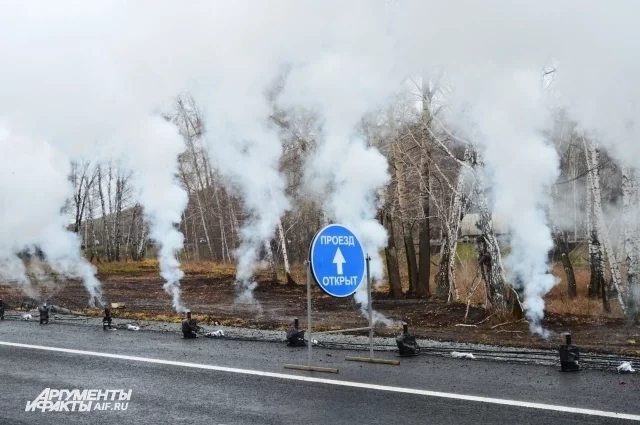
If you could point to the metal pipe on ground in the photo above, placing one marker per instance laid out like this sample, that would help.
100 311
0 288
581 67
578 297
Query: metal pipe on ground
407 344
569 356
295 336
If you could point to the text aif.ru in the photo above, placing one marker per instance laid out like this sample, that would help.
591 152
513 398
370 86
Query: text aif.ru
79 401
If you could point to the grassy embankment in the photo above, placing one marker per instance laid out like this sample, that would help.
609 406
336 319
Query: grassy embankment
557 301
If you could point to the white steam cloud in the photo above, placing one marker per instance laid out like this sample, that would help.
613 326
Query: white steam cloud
163 199
72 91
26 222
87 80
507 121
251 163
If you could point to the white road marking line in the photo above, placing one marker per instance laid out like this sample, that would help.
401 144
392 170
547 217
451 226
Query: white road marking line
499 401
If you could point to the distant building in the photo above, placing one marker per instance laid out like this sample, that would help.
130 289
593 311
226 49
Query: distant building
469 230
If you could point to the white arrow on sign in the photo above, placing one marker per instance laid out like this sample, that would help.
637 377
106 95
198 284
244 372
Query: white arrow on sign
339 260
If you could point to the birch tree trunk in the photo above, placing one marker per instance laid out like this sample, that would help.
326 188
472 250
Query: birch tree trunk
117 225
630 222
446 287
105 231
424 244
599 224
110 234
574 185
142 242
634 287
195 238
233 219
562 247
453 242
130 236
226 255
82 181
390 251
285 255
271 261
407 235
595 249
444 276
200 187
489 256
92 229
197 193
391 256
630 235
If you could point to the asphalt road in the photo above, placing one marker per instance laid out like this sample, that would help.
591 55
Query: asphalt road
177 381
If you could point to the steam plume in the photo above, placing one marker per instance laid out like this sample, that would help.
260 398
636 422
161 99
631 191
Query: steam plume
26 222
77 73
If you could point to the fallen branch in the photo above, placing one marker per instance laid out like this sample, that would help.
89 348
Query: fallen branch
466 325
506 323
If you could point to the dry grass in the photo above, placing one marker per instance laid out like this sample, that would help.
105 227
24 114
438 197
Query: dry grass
201 269
128 267
195 268
557 301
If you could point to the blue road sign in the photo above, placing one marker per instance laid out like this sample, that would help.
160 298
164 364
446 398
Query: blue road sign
337 260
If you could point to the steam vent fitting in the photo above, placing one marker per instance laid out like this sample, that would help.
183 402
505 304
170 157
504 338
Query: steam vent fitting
569 356
295 337
407 344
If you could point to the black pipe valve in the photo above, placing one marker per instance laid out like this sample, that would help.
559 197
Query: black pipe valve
569 356
295 337
407 344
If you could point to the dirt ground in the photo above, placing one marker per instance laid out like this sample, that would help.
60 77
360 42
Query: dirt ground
211 299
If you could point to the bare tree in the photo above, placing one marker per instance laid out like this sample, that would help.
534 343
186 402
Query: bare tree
489 256
82 178
562 247
446 276
424 244
190 127
403 203
599 227
631 230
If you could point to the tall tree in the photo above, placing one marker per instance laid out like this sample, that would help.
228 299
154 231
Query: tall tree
631 234
82 178
190 127
446 276
562 247
403 202
489 256
424 244
599 226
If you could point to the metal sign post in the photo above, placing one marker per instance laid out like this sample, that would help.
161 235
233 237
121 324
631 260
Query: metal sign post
369 289
309 366
371 358
338 264
310 341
